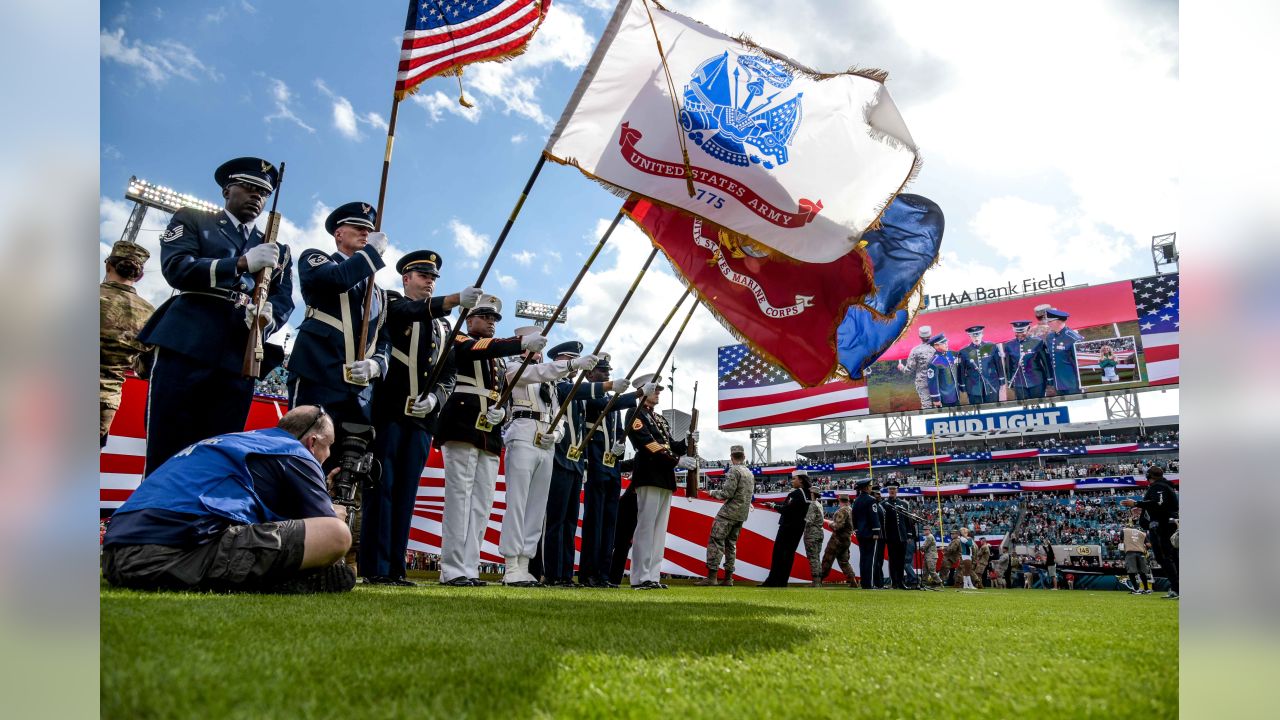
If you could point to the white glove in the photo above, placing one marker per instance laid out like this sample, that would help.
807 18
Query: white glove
469 297
251 314
546 440
494 415
620 386
586 362
379 241
266 255
649 389
533 342
688 463
362 371
618 449
423 406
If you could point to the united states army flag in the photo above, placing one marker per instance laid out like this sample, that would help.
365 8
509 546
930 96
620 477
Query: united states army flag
800 161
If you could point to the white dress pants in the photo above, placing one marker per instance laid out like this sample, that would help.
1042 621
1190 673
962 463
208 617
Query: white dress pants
528 483
470 476
653 507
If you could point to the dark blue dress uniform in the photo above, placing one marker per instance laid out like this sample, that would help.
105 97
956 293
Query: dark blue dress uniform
333 288
196 389
403 440
897 531
1026 364
603 490
1062 356
869 529
980 371
944 387
563 497
791 517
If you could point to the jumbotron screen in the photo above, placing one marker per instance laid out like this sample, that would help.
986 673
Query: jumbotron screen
1115 336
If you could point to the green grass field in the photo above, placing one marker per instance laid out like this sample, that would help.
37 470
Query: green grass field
685 653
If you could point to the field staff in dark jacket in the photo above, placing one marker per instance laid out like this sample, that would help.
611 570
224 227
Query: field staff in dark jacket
791 515
867 527
1161 504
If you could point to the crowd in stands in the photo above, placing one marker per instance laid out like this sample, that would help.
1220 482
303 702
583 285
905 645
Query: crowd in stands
1017 442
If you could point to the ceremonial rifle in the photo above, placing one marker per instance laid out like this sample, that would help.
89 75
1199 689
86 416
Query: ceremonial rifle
575 452
482 424
691 476
253 348
564 405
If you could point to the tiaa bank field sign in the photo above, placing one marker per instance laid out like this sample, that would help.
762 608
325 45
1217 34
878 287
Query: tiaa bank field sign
1012 420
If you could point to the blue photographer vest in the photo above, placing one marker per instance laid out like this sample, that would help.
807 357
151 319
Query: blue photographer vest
211 477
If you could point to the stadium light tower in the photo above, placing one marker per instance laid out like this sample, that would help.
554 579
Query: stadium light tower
538 312
761 446
149 195
833 432
1164 252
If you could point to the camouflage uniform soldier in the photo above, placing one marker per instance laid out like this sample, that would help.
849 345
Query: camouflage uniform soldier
917 365
929 548
122 313
813 538
838 545
739 485
1041 330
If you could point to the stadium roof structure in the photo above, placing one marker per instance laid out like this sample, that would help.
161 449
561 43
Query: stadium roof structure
1098 426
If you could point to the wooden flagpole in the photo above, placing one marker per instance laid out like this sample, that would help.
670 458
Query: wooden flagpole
937 484
371 289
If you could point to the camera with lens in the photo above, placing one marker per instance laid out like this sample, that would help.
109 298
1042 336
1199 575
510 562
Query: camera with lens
356 467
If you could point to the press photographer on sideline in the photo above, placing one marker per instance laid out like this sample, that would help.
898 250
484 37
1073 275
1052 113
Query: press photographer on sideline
243 512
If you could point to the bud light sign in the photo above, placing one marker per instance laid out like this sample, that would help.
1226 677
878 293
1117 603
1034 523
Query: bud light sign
1012 420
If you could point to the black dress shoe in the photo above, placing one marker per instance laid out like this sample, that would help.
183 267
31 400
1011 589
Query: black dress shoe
377 580
401 582
611 584
458 582
476 582
593 583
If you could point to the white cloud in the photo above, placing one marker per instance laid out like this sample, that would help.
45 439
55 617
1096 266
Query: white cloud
603 5
345 118
248 7
217 16
1034 236
283 98
437 104
517 138
471 243
524 257
156 63
506 281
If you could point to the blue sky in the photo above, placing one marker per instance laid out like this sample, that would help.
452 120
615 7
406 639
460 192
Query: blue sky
1045 130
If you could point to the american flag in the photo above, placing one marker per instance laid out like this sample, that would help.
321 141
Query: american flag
1156 299
754 393
443 35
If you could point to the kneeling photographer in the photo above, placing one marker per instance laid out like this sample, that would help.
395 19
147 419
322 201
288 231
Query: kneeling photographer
244 512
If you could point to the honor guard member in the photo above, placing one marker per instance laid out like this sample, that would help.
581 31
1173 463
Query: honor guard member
121 314
736 491
981 370
1041 328
197 390
1062 352
654 478
471 454
565 497
944 388
1026 362
603 488
838 546
531 442
404 411
323 364
869 531
917 366
896 531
